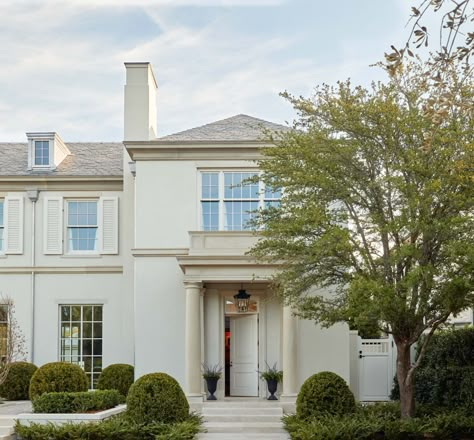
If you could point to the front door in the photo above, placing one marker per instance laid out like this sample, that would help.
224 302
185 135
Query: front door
244 355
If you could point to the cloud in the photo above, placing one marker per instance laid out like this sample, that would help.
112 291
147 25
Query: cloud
62 63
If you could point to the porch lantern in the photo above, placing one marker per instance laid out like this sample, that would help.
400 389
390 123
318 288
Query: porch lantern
241 301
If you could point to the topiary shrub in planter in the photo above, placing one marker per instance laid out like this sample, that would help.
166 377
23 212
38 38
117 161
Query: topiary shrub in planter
116 377
81 402
57 377
17 382
324 393
157 397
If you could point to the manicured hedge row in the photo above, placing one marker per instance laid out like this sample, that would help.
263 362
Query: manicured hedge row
54 403
116 428
382 422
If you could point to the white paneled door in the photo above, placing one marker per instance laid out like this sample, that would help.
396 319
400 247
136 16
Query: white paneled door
244 355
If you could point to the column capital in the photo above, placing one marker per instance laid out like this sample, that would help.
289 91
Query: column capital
192 284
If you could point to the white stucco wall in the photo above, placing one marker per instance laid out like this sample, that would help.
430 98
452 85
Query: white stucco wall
159 317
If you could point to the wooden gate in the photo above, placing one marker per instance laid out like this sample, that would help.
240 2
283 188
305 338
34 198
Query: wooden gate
376 369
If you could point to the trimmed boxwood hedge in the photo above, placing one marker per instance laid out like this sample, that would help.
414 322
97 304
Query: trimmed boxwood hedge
17 382
324 393
116 377
57 377
85 401
157 397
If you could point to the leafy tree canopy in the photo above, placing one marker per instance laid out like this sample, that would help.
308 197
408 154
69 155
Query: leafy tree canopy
377 205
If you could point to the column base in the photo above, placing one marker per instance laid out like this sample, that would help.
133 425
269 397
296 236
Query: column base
195 398
288 402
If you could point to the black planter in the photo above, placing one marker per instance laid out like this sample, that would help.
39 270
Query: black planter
212 387
272 385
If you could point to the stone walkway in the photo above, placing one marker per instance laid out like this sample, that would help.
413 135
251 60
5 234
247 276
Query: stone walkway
8 411
242 419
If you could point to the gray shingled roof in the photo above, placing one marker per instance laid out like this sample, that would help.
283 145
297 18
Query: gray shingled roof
236 128
86 159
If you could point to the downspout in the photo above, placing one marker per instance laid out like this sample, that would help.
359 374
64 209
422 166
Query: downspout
33 196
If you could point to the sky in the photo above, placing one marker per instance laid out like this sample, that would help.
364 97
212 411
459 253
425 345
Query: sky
62 61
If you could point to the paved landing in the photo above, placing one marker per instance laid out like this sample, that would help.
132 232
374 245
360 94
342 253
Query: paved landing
8 411
244 419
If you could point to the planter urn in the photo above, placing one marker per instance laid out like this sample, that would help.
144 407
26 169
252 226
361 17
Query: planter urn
211 387
272 385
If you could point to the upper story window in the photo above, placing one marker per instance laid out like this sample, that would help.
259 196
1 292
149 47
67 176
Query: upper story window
41 153
2 226
229 204
82 225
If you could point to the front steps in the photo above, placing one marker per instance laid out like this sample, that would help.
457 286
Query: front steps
242 419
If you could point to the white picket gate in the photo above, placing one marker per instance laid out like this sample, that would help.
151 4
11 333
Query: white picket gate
376 368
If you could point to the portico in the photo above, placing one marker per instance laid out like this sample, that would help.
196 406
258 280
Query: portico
214 270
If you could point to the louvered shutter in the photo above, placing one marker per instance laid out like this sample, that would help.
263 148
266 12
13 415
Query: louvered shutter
53 226
13 224
108 225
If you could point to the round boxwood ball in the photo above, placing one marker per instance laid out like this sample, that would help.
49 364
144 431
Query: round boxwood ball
157 397
58 377
324 393
17 382
116 377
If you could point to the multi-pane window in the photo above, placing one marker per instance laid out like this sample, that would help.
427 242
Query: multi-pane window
82 225
3 329
2 225
42 153
229 201
81 338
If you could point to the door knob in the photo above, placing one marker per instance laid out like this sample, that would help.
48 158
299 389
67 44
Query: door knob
231 363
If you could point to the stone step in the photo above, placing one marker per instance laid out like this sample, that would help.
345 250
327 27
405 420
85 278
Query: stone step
242 404
223 410
244 427
219 418
242 436
7 421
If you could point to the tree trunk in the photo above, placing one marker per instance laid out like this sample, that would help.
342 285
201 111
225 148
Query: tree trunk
405 381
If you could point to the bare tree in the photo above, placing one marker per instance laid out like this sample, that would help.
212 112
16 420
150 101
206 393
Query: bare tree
12 340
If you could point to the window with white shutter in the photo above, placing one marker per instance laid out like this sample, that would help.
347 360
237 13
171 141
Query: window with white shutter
53 226
108 225
13 225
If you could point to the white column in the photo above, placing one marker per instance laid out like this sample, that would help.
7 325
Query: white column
290 353
193 339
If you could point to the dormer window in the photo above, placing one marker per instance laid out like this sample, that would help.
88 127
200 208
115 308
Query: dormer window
41 153
45 151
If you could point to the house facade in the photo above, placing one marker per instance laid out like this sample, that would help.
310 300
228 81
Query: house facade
134 252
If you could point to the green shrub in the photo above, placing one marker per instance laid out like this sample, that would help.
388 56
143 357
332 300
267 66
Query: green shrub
449 387
84 401
57 377
382 422
115 428
324 393
157 397
17 382
118 377
450 348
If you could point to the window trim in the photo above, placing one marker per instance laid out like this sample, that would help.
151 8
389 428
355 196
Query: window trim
262 199
68 249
